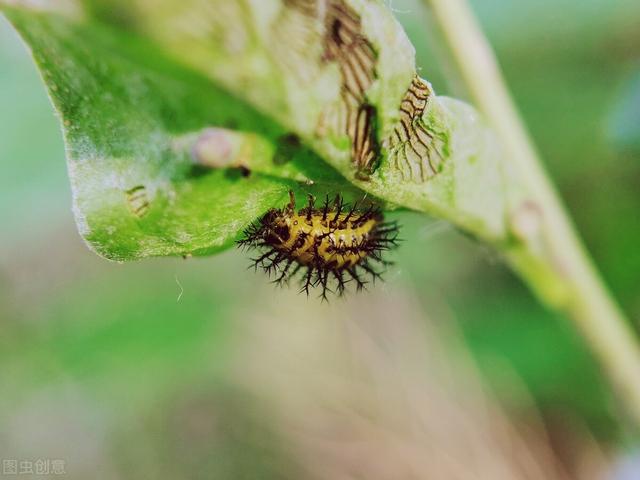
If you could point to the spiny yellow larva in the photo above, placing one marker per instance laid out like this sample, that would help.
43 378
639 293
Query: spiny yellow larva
335 241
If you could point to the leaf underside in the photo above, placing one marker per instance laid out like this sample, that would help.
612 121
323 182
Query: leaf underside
185 121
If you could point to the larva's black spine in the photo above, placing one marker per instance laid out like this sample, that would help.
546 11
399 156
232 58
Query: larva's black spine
336 244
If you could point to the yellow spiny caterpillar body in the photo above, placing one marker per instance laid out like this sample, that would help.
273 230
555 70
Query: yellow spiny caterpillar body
335 243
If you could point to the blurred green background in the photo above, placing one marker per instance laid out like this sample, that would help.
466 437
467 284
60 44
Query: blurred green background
106 352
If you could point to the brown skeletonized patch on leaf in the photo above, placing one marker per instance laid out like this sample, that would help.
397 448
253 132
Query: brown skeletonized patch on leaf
345 44
339 29
414 148
138 200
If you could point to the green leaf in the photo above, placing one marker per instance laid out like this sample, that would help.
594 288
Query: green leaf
165 105
133 120
273 54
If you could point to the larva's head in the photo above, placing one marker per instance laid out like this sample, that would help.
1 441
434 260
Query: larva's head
275 228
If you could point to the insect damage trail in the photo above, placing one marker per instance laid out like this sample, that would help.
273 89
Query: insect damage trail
356 59
333 32
413 147
344 44
138 200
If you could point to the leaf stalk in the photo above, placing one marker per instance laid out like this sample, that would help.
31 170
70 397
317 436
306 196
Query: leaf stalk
547 253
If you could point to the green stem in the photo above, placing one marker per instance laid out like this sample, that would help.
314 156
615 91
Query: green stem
549 255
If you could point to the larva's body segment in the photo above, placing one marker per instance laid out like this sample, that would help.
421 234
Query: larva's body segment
333 242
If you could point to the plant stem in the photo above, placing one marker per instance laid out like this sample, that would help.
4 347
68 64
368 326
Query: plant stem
563 274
